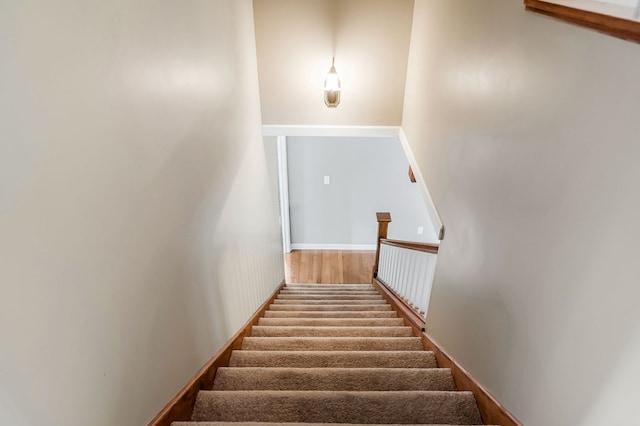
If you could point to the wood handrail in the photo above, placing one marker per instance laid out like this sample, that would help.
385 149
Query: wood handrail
412 245
618 27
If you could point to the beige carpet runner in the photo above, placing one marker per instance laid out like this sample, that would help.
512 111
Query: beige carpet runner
332 354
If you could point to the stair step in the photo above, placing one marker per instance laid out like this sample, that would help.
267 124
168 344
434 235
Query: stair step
301 292
334 307
330 314
331 296
330 302
289 331
332 344
337 290
344 379
332 322
330 286
320 291
290 424
441 407
330 290
334 359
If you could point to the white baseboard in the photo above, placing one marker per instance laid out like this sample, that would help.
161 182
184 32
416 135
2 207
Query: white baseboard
344 247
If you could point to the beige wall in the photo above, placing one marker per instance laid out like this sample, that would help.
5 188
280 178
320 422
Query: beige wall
526 130
137 231
296 41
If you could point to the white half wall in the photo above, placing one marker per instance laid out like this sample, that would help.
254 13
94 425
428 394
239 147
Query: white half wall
138 230
366 175
526 130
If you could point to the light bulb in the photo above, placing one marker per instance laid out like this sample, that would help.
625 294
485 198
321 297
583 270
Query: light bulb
332 87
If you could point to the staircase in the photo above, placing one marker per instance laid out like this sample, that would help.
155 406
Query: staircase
332 354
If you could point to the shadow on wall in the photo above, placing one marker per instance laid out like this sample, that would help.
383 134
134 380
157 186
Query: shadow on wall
180 286
232 258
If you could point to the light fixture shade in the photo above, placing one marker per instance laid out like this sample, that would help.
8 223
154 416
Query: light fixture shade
332 87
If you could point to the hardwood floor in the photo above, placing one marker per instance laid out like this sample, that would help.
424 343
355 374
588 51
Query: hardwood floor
328 266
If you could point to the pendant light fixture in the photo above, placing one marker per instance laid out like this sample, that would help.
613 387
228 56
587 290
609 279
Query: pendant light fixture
332 87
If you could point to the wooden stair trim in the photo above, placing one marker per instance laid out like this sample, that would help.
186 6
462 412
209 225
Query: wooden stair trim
181 406
412 245
492 411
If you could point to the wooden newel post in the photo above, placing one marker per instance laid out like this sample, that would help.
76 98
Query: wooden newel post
383 224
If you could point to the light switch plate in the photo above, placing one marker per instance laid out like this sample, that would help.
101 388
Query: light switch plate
327 180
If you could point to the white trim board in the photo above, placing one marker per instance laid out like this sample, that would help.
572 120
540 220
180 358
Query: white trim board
343 247
337 131
438 226
283 188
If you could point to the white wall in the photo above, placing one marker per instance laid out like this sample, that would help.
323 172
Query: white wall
137 231
367 175
526 130
296 41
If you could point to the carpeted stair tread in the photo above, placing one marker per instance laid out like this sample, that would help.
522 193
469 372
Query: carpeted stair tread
332 322
333 307
345 293
293 424
332 343
324 290
458 408
332 296
330 302
330 286
330 314
329 293
328 290
334 359
289 331
338 379
321 292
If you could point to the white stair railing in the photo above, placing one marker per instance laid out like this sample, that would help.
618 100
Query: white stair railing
405 267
